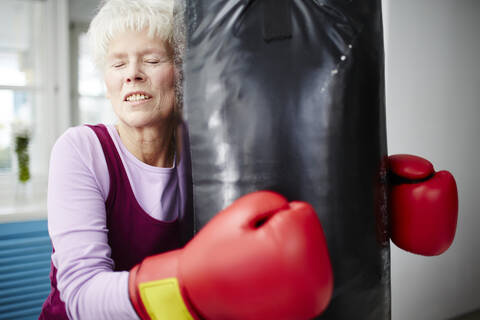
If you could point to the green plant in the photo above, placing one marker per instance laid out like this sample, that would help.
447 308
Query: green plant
23 158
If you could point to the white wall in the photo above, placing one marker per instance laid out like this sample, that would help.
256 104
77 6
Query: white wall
433 110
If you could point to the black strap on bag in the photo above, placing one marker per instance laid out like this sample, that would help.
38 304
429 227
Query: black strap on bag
277 20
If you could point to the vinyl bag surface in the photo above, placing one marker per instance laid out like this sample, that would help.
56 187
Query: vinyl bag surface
288 95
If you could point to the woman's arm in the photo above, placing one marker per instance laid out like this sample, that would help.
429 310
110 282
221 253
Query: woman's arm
78 184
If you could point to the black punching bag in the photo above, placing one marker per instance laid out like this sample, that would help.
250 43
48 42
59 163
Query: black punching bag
288 95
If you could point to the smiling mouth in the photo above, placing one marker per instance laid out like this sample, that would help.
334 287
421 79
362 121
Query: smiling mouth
137 97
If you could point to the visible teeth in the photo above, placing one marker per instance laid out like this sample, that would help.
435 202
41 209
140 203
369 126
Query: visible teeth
136 97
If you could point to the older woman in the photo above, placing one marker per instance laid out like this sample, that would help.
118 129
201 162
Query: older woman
119 193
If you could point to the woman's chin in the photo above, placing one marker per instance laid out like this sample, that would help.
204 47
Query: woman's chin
140 121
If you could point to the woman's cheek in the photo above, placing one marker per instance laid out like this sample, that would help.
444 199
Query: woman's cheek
110 84
166 76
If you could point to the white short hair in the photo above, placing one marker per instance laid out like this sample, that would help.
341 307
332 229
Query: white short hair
116 16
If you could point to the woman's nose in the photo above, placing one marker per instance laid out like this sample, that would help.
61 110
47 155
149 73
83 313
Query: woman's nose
134 74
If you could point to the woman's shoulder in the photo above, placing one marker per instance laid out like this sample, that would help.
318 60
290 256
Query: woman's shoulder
80 136
78 153
78 141
81 133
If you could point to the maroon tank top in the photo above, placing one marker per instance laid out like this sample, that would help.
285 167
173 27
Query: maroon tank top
132 234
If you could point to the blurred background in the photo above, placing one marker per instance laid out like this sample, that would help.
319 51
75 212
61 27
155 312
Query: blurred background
47 84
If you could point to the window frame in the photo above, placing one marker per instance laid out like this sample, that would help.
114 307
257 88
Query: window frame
53 115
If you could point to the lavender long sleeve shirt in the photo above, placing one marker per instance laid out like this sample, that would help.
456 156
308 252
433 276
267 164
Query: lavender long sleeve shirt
78 187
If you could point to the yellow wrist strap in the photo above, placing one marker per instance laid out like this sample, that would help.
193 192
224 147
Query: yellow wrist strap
163 301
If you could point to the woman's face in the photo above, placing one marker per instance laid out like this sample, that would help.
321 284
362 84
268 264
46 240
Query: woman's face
139 79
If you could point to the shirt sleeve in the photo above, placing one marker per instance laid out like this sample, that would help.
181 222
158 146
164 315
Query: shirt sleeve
77 226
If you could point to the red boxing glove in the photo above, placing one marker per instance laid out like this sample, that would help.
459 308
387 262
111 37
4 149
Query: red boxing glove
423 206
260 258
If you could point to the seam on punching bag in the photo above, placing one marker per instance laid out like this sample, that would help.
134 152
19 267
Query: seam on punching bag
277 20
